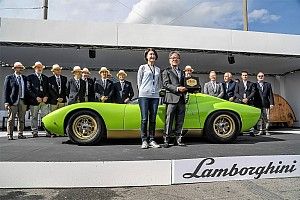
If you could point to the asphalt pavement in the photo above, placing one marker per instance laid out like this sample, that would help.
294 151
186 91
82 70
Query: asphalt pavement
281 142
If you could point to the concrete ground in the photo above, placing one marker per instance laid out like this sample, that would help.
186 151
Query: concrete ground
271 189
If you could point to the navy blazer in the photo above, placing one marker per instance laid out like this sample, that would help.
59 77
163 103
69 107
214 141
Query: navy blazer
33 85
91 90
11 89
101 91
54 90
118 95
228 92
263 98
240 90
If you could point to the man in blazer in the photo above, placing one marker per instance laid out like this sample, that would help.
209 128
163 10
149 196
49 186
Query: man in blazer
104 87
89 85
76 87
38 88
213 88
264 100
244 93
228 87
245 90
57 89
173 82
123 91
15 94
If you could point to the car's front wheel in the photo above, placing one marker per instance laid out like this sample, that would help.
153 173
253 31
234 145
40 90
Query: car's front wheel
85 127
222 127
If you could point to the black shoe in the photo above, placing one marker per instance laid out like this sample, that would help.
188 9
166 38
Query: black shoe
252 134
35 135
67 142
10 137
166 145
179 142
21 136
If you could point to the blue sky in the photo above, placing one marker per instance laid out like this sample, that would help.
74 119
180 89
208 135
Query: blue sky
278 16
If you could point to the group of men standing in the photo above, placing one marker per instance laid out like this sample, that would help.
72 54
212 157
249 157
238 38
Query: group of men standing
43 94
258 94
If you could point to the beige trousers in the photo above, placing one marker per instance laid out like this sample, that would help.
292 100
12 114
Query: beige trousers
20 111
34 110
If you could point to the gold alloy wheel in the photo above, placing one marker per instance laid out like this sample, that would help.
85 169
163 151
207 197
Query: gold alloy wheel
224 126
85 127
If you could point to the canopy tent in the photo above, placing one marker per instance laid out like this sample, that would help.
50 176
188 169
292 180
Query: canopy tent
121 46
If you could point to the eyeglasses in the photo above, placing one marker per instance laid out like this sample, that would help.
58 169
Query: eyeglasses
174 58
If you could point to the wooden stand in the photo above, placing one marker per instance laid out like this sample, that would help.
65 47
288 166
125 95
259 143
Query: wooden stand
282 113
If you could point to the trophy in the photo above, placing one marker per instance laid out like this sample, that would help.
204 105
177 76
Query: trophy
192 84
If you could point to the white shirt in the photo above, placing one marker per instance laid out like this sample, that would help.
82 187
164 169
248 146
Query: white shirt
245 84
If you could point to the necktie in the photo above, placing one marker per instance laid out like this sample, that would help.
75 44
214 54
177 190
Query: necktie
86 87
177 72
58 84
245 86
261 86
40 79
20 87
227 86
214 86
122 86
77 84
104 83
58 81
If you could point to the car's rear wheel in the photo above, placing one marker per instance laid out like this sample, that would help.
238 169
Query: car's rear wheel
222 127
85 127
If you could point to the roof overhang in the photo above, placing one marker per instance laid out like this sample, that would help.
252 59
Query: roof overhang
122 45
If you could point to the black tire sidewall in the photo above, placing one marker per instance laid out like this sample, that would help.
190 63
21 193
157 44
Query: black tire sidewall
96 139
210 133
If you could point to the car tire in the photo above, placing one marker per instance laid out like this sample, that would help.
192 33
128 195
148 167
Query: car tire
85 127
222 127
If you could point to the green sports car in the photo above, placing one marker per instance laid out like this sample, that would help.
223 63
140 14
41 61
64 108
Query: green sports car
88 123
